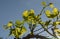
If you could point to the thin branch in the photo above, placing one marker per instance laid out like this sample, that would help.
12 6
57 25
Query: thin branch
42 28
47 30
38 30
43 25
34 36
43 10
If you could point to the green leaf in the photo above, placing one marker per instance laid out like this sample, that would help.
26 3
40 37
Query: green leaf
18 22
47 22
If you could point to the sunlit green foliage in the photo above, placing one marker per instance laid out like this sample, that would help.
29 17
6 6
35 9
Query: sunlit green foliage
17 29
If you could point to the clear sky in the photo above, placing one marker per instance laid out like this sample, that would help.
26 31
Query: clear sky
12 10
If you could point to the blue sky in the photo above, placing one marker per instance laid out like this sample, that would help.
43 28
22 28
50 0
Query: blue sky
12 10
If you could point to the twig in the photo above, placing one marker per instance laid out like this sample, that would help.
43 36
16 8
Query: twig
47 30
42 28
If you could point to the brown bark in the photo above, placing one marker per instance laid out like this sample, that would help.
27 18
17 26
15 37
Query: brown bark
34 36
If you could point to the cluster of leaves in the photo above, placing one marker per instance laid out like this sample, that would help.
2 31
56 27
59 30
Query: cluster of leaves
17 29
